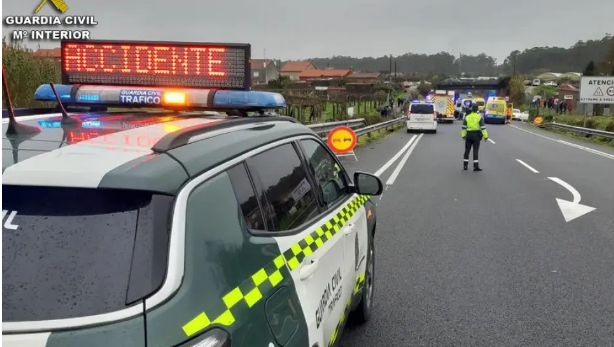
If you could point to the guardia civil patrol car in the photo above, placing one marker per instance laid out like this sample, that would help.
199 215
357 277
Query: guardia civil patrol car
176 227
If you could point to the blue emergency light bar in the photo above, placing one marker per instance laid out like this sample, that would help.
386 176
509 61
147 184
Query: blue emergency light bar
133 97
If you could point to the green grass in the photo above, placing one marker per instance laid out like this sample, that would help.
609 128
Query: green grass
600 122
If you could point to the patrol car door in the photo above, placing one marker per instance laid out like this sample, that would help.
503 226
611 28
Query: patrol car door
346 211
309 237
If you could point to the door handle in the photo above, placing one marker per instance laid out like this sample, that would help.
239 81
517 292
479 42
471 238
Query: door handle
308 268
349 229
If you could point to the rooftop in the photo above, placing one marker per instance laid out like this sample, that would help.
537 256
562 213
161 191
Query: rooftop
330 73
260 63
295 66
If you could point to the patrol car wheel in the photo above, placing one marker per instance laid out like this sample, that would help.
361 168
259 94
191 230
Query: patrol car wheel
363 311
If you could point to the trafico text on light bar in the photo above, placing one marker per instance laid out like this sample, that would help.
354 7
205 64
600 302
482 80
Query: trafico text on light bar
143 59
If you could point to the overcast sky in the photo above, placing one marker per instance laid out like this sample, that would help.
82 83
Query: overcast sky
294 29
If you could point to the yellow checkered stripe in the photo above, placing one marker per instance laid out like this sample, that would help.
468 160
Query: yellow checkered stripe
450 108
359 283
250 292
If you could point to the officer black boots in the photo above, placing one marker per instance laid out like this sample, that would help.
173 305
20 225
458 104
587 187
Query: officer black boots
476 167
465 165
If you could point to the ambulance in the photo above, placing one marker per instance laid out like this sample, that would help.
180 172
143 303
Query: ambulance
495 110
443 101
481 103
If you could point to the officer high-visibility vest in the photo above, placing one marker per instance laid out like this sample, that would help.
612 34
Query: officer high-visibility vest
474 122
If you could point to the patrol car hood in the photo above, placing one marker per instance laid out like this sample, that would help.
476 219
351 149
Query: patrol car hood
139 132
52 135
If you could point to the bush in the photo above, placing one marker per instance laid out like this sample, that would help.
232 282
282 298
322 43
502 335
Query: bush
548 118
591 124
25 73
371 119
610 126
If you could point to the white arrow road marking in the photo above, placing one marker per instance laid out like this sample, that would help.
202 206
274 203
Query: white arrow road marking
571 209
491 141
396 171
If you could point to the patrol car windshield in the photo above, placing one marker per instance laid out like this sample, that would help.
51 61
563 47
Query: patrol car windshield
422 108
68 252
480 103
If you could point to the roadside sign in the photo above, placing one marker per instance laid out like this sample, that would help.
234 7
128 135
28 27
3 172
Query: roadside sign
568 97
597 90
342 140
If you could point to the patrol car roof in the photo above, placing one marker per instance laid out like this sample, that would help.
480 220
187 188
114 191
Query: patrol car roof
114 150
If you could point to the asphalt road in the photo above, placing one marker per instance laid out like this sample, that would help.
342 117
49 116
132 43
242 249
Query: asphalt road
487 258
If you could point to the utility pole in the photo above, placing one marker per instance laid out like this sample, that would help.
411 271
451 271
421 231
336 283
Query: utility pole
395 71
390 78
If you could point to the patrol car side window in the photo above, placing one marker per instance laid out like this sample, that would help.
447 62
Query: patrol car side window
290 198
328 173
246 197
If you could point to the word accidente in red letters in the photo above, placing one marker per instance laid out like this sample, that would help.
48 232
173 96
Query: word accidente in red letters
159 59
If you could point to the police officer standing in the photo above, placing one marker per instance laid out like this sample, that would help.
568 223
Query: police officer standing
473 132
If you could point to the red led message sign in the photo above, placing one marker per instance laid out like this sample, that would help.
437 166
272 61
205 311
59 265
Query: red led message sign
206 65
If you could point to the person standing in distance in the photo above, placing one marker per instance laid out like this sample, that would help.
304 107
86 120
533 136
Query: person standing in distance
473 132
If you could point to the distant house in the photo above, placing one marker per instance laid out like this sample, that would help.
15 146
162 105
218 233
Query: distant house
324 74
53 53
364 77
293 69
263 70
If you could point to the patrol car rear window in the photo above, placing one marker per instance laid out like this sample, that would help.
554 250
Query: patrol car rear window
68 252
422 109
480 103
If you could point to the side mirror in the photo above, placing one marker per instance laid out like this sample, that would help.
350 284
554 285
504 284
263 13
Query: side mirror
367 184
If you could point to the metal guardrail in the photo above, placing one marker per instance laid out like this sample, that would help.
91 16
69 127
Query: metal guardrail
581 130
356 124
327 127
383 125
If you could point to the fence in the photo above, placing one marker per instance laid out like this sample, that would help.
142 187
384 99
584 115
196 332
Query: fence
356 124
579 130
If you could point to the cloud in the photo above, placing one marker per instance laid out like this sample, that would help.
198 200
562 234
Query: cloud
323 28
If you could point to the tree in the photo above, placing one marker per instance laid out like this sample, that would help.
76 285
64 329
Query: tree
424 88
589 70
516 88
280 83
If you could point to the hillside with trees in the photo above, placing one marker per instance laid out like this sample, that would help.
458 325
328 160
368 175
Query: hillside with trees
531 61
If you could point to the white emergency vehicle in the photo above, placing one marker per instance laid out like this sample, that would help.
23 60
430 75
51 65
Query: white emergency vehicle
421 116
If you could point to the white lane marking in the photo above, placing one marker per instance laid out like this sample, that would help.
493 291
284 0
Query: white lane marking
396 156
527 165
491 141
603 154
381 196
536 134
571 209
396 171
588 149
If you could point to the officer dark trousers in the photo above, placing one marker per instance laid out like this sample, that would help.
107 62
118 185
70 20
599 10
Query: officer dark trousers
473 131
473 139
